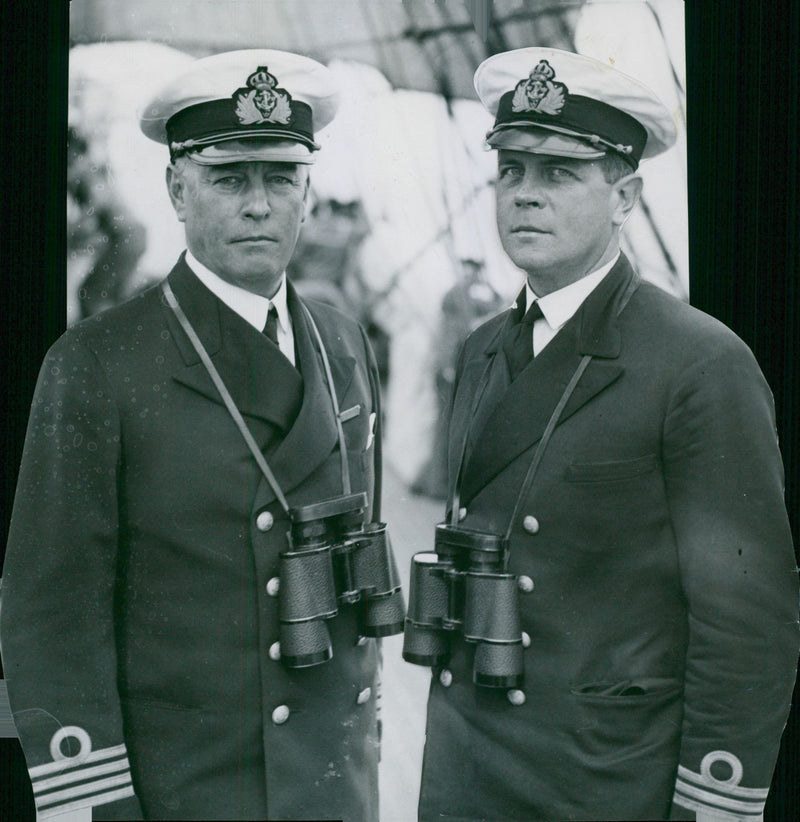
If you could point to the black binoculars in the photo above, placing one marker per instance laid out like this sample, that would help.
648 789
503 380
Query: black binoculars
333 558
463 588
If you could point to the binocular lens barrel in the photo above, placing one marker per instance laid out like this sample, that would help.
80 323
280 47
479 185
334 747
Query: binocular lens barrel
428 595
305 643
491 608
425 646
498 666
425 641
307 598
374 571
384 615
307 587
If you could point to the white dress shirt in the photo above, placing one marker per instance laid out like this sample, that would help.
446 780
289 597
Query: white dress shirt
251 307
558 306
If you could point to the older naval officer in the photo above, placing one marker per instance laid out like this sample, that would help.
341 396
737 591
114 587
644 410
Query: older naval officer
621 447
143 613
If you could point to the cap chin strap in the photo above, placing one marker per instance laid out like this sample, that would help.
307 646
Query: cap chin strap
560 142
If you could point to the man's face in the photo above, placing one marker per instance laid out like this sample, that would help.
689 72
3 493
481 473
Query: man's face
242 219
557 217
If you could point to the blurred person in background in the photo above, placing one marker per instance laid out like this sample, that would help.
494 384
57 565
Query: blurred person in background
470 301
102 228
170 438
622 448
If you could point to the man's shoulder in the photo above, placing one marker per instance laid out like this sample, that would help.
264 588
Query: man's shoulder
676 323
333 323
119 322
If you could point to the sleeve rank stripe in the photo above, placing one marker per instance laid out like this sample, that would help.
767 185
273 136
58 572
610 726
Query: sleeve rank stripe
64 764
41 785
684 774
89 802
696 799
83 791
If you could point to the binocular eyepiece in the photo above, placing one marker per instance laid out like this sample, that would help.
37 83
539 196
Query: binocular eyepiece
463 587
334 558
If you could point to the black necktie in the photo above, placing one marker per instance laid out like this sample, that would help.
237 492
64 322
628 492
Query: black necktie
271 326
518 342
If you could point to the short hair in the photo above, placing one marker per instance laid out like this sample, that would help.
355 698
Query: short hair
614 167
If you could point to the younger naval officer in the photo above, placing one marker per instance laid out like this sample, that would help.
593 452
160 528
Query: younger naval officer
167 655
635 633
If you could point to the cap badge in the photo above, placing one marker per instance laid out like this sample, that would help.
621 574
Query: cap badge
538 92
263 101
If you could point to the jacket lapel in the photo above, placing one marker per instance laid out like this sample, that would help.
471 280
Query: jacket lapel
517 420
314 435
261 381
483 382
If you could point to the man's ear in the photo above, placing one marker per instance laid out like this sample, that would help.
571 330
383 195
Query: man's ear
625 196
176 188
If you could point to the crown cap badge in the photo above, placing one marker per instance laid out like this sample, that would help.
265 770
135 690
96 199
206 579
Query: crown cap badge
540 92
262 101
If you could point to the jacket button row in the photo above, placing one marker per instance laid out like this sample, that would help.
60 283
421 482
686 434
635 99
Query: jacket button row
280 714
274 586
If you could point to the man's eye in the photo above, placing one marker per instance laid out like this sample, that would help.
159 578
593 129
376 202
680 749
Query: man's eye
559 173
510 172
227 182
281 180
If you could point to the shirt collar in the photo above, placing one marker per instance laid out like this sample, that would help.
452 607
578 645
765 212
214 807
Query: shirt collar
559 306
251 307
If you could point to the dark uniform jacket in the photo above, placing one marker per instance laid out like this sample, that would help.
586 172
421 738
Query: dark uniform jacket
663 610
139 615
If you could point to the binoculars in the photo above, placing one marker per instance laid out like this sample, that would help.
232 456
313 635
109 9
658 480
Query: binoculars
333 558
463 588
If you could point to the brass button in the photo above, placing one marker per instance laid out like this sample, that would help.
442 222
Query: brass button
446 678
275 651
462 514
531 524
526 640
281 714
362 640
516 697
265 521
273 586
525 584
363 696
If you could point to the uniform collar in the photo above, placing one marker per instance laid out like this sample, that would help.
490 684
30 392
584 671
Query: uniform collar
559 306
251 307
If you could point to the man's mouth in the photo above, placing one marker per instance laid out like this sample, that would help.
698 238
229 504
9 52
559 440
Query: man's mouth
528 229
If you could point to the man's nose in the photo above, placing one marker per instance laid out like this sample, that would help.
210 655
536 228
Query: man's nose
530 191
256 203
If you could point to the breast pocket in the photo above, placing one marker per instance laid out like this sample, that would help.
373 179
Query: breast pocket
611 471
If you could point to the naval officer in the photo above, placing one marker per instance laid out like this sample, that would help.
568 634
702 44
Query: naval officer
623 444
142 617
